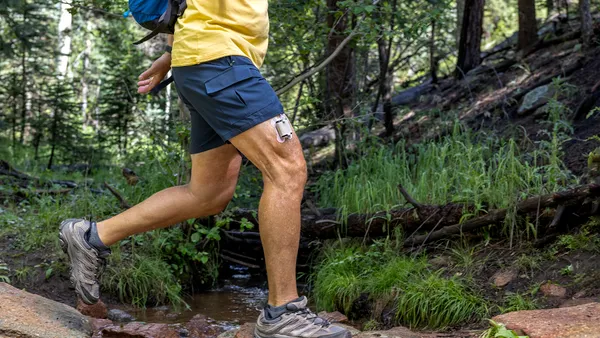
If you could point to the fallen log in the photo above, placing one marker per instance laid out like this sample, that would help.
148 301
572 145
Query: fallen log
565 198
8 170
123 203
327 225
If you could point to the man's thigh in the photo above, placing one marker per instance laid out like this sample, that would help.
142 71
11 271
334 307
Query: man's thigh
215 169
261 145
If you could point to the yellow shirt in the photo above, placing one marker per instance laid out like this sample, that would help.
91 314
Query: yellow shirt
211 29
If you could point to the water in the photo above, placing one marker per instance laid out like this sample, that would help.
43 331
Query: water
237 300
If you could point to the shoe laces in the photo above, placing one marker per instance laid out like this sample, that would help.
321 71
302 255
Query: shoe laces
312 317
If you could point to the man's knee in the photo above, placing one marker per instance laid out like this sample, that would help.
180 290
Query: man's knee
212 201
287 173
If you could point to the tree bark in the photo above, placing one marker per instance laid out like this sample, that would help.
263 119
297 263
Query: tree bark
340 76
469 52
460 11
587 30
527 24
433 63
64 37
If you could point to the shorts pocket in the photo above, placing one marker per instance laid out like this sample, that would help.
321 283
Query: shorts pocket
229 77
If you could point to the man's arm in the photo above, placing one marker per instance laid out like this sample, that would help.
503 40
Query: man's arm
157 72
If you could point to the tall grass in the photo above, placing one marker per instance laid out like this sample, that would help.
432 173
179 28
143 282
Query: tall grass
480 170
419 296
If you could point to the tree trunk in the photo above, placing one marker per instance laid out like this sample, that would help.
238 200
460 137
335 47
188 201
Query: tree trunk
550 7
469 52
460 11
433 63
587 30
527 24
23 84
54 137
340 75
64 37
84 76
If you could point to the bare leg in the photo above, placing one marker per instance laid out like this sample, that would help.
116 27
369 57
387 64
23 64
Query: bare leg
214 177
284 174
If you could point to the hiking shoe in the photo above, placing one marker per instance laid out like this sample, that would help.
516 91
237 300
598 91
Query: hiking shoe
297 321
87 263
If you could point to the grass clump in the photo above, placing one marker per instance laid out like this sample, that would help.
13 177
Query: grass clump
479 170
516 302
419 296
141 280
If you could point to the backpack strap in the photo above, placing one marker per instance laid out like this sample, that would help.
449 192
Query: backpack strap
161 85
167 20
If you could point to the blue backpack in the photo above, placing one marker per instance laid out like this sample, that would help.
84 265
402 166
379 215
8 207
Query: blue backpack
159 16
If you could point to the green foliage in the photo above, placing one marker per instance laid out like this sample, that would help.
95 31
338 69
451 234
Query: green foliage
517 302
4 273
498 330
475 169
529 263
582 240
420 297
141 279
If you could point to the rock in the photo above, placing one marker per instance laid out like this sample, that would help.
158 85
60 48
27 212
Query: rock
228 334
536 98
245 331
202 326
573 322
503 277
579 301
333 317
97 310
553 290
441 261
25 315
580 294
396 332
120 316
139 330
199 326
353 331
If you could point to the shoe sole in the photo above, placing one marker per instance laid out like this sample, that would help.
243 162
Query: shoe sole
64 245
256 335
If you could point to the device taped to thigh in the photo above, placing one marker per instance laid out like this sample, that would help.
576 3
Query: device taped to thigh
283 127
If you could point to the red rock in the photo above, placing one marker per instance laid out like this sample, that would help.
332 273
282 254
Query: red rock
202 326
553 290
245 331
334 317
574 322
504 277
97 310
23 314
139 330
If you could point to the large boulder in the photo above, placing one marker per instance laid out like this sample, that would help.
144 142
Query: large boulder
574 322
26 315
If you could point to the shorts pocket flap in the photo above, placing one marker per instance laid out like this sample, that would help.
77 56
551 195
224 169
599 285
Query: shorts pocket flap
229 77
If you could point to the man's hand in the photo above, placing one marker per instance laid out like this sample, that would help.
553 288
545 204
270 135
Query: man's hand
155 74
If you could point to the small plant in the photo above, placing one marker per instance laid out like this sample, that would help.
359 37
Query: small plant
583 240
371 325
517 302
529 263
499 331
4 273
567 270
